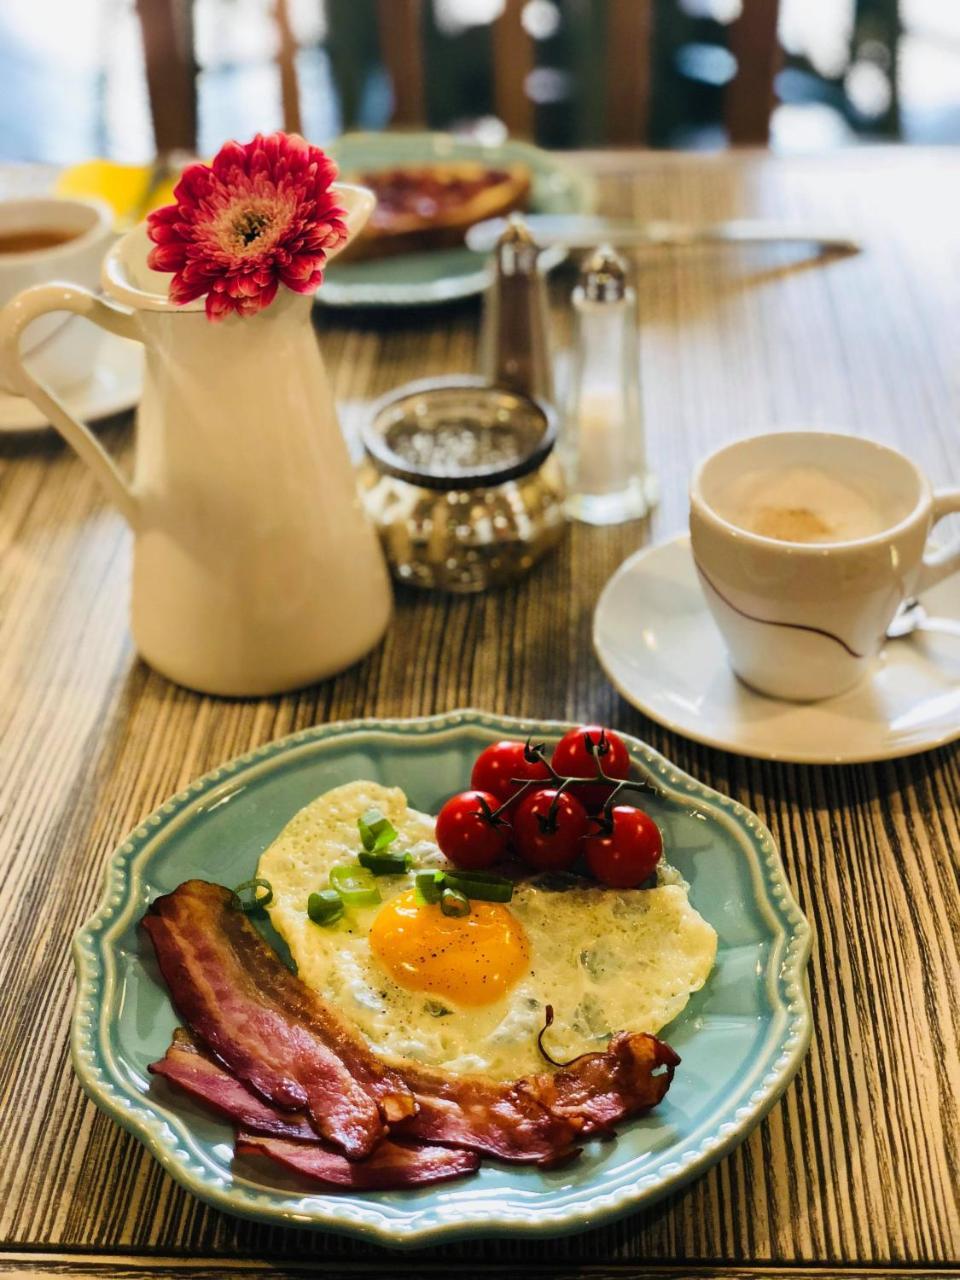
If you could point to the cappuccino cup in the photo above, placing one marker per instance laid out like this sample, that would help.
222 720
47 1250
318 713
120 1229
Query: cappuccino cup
45 240
806 543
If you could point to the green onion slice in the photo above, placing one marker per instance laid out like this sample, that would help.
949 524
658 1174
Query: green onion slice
480 886
376 831
256 902
428 886
355 884
325 907
385 864
454 903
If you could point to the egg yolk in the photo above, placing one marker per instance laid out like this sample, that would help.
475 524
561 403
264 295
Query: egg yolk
472 960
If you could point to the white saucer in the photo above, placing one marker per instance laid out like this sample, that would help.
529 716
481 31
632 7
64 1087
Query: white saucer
658 644
113 387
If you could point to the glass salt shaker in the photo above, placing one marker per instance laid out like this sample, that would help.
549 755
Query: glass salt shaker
602 441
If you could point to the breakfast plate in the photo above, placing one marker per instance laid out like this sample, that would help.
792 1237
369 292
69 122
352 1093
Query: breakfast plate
441 275
741 1038
114 386
659 646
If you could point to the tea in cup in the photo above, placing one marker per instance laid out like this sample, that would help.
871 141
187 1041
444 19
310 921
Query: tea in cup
806 543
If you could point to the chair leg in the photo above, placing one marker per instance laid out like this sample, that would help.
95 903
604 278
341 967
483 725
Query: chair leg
287 64
629 51
750 98
167 29
513 60
400 25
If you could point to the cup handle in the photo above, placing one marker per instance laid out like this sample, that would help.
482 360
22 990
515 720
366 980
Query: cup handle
939 564
14 318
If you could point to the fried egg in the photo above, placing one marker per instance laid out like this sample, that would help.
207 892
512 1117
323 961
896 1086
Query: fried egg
469 993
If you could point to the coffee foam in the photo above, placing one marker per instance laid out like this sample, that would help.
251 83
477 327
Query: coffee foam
801 504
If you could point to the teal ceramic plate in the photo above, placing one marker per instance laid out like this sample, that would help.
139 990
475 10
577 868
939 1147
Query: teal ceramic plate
441 275
741 1038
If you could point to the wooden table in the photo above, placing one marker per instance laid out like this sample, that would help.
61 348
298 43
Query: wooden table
857 1170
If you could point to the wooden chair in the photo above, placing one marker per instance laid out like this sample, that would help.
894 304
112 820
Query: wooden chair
629 24
167 27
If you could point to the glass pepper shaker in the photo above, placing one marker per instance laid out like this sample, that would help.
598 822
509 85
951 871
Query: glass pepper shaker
602 442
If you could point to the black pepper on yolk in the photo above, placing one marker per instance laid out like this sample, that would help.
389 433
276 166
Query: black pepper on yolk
472 960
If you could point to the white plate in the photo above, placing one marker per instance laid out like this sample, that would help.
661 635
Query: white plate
113 387
658 644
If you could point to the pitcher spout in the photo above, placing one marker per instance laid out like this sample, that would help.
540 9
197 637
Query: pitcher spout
359 203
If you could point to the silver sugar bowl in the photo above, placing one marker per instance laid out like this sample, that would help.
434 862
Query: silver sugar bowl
461 482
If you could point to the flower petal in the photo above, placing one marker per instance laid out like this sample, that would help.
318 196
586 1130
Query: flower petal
167 257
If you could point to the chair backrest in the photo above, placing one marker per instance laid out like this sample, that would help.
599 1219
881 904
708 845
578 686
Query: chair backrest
748 101
167 27
401 32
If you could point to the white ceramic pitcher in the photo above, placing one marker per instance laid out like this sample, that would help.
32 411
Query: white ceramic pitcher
255 569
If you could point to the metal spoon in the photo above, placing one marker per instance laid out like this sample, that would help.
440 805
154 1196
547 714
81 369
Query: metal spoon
912 616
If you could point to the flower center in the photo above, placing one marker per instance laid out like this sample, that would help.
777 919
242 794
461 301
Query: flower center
249 227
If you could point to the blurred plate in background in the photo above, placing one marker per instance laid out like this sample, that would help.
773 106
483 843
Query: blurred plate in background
441 275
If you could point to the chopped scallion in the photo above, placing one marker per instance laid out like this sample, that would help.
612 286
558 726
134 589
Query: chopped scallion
325 907
428 886
454 903
355 884
385 864
256 902
376 831
480 886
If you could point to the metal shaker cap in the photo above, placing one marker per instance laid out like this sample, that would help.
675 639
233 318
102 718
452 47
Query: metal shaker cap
603 276
516 251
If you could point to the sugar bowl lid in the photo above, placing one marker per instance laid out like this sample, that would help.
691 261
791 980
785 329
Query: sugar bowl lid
458 433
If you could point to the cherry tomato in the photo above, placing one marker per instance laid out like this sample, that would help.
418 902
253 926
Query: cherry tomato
549 838
465 833
497 764
574 758
629 854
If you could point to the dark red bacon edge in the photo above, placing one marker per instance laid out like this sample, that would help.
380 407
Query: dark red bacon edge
257 1018
533 1120
391 1167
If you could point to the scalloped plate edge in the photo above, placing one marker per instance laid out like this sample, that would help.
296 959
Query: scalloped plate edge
160 1131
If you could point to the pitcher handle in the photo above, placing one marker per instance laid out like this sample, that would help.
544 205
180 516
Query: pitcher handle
14 318
939 564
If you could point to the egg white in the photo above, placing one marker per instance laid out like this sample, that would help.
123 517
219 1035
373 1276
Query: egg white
606 959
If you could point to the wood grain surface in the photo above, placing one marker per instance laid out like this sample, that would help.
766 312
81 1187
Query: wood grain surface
858 1168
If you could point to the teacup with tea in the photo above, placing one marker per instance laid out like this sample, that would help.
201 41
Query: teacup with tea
806 544
44 240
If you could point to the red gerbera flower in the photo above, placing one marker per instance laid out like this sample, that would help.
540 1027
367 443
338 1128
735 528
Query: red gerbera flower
259 216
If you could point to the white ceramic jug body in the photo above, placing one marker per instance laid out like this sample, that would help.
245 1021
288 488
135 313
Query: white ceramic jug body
255 569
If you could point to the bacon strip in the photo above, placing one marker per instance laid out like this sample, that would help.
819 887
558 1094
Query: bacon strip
187 1065
504 1120
601 1089
288 1137
589 1096
255 1016
391 1167
534 1120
